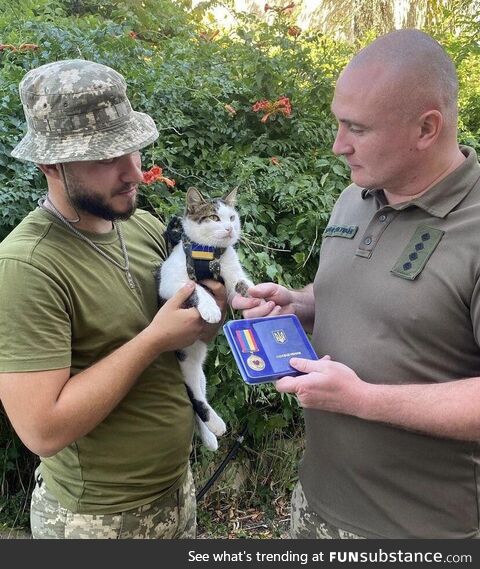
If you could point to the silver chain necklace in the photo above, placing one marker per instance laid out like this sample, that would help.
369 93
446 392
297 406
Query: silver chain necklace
116 225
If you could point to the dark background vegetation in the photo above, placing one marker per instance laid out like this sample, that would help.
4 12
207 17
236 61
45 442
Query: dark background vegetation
199 83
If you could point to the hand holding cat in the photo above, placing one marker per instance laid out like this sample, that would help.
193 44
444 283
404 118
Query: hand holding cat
175 326
327 385
265 299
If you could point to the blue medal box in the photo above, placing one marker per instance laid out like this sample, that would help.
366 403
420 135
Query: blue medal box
262 347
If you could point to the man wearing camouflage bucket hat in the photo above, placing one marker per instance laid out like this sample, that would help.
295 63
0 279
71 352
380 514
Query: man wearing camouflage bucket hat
91 382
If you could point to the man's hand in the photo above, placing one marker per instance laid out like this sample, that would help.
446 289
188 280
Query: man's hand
327 385
265 299
219 293
175 326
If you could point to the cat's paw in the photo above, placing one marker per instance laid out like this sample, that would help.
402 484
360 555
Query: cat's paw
209 440
210 312
242 287
216 424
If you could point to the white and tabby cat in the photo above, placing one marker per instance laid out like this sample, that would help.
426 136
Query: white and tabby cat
203 248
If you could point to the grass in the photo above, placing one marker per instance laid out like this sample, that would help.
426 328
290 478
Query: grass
251 499
232 522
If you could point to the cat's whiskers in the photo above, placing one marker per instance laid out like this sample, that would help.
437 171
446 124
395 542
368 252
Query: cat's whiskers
224 235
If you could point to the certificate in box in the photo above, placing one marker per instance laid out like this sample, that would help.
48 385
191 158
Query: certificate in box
262 347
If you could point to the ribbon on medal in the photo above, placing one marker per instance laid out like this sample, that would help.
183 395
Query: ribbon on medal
248 345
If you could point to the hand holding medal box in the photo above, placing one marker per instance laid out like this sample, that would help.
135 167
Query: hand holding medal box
262 347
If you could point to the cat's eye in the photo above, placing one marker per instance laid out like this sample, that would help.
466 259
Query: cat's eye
214 217
232 218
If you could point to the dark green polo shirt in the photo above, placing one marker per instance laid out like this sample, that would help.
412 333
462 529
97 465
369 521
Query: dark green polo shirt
397 299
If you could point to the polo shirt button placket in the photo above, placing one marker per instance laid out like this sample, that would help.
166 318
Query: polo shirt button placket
377 226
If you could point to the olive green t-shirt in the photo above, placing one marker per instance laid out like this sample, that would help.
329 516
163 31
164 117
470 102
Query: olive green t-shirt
62 304
397 299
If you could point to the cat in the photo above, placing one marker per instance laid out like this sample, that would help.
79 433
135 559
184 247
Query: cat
202 247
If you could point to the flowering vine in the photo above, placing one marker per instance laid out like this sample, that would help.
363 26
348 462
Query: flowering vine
155 174
288 9
209 36
230 110
281 106
22 47
294 31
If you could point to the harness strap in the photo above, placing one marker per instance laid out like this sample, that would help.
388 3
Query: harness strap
203 261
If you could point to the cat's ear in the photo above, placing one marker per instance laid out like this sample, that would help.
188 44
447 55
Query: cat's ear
194 199
230 198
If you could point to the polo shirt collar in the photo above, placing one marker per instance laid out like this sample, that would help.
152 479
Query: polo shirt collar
441 198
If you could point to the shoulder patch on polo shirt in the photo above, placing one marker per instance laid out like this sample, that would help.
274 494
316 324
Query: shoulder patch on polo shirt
416 254
347 231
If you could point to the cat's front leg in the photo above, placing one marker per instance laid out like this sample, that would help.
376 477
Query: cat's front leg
207 306
173 274
236 281
237 284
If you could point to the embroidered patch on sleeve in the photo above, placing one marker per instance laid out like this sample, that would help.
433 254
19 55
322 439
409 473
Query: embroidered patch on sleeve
416 254
347 231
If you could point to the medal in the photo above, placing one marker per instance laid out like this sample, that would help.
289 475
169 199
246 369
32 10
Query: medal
248 345
255 362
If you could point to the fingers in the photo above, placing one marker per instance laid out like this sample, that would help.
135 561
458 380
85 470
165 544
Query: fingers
215 287
308 366
263 290
276 310
287 384
290 384
256 294
241 303
263 309
182 294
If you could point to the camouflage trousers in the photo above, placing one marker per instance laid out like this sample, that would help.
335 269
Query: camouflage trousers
307 524
169 517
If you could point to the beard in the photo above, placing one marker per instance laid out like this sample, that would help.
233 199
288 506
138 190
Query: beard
84 199
96 205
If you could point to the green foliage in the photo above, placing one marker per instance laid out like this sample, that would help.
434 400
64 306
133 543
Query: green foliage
16 477
455 25
199 84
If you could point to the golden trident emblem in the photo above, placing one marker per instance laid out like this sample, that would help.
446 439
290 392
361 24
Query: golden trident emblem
280 336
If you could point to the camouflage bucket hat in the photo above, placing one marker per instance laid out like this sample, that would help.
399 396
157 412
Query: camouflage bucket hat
79 110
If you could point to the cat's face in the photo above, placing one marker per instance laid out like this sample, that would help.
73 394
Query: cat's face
213 222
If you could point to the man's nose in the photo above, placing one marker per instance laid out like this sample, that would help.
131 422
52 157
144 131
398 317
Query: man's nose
341 144
132 168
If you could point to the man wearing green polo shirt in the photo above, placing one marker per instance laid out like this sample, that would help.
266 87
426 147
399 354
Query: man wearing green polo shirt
391 409
88 373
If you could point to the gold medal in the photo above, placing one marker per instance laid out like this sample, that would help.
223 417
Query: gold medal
256 363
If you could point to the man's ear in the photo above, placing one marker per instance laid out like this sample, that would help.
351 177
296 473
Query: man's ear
51 170
431 125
